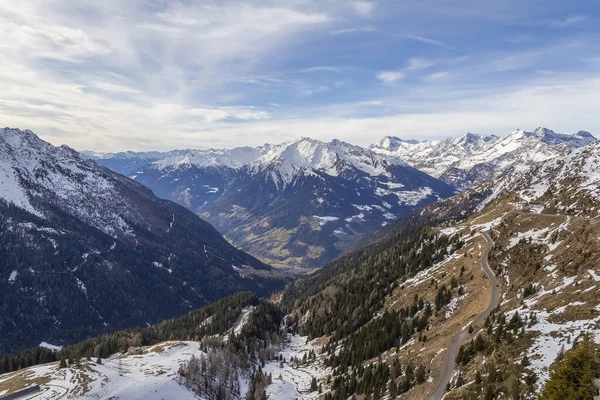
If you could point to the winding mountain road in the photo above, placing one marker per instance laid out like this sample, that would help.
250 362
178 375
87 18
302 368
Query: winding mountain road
448 367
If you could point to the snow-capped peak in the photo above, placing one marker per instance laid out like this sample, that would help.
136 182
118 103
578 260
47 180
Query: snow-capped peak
309 155
231 158
470 159
393 143
38 177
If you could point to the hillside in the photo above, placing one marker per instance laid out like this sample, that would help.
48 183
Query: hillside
432 306
392 318
85 250
217 352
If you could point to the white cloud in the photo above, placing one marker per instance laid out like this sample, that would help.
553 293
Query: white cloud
417 63
437 113
323 68
223 113
118 75
111 87
389 76
570 20
47 41
352 30
497 113
432 42
437 76
363 8
312 90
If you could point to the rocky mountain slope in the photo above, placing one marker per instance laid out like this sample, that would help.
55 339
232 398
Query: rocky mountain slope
86 250
470 160
542 247
568 185
303 203
298 204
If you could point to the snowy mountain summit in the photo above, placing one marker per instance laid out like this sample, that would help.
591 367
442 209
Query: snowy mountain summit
472 159
309 156
34 175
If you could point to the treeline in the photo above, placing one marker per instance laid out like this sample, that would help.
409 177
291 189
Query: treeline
346 294
346 299
213 319
375 381
390 329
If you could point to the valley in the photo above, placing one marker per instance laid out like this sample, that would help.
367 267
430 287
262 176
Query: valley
299 200
441 303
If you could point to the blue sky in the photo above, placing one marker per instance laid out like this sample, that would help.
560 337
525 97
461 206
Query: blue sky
142 75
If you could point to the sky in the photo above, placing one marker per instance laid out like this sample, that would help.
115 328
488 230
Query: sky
158 75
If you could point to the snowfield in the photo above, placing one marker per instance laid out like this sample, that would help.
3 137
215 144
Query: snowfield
148 376
293 382
153 375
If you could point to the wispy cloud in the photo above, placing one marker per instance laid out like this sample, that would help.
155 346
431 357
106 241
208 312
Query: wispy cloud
363 8
437 76
567 21
389 77
313 90
223 113
432 42
322 68
353 30
118 75
418 63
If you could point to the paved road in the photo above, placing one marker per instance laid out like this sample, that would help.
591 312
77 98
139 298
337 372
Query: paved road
448 367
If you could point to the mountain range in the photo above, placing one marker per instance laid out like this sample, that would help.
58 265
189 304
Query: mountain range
302 203
470 160
85 250
488 293
297 204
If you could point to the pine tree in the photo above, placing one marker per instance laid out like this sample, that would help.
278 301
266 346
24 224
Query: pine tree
572 377
313 384
478 378
62 363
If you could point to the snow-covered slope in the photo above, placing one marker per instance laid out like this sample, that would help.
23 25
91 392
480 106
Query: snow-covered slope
230 158
148 375
308 156
86 250
470 160
196 178
569 184
34 175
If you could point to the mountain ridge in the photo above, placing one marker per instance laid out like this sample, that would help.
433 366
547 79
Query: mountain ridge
295 196
469 160
85 249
